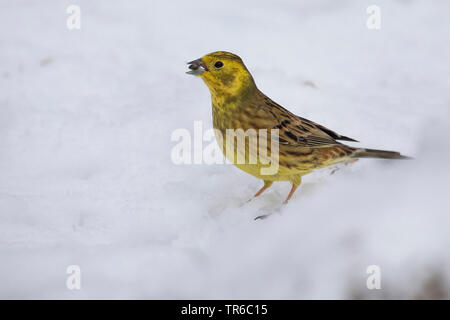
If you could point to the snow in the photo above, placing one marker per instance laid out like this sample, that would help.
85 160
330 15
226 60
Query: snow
87 179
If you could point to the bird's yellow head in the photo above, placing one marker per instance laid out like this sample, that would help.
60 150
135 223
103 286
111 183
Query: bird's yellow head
224 73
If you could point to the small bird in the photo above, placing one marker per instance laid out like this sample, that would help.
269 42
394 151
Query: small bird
303 145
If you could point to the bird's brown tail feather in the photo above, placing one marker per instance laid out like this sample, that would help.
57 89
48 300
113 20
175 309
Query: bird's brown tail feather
380 154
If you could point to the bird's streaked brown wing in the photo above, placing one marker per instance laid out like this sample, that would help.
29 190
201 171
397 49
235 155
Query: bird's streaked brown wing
297 131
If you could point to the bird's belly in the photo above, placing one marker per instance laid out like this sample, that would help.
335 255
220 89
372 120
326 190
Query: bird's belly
283 174
261 164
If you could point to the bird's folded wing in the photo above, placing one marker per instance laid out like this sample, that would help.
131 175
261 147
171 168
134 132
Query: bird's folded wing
297 131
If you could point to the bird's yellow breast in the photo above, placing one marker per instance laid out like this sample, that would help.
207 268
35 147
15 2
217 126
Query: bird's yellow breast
238 117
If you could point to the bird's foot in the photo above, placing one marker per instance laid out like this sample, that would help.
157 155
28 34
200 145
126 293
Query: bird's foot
261 217
267 211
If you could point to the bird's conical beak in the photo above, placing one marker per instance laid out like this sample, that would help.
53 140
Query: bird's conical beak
197 67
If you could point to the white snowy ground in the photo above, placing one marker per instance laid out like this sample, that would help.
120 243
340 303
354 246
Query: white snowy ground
87 179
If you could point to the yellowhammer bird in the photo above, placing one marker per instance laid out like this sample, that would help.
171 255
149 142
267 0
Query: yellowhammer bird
303 145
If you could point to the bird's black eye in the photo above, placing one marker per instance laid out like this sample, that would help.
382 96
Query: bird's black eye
218 64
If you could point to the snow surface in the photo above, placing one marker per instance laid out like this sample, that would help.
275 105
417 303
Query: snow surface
87 179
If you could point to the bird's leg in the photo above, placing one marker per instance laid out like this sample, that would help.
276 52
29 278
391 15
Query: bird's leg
294 187
267 185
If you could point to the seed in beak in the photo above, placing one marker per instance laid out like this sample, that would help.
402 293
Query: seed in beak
197 67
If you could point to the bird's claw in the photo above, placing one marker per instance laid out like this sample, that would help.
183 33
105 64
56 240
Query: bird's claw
264 216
